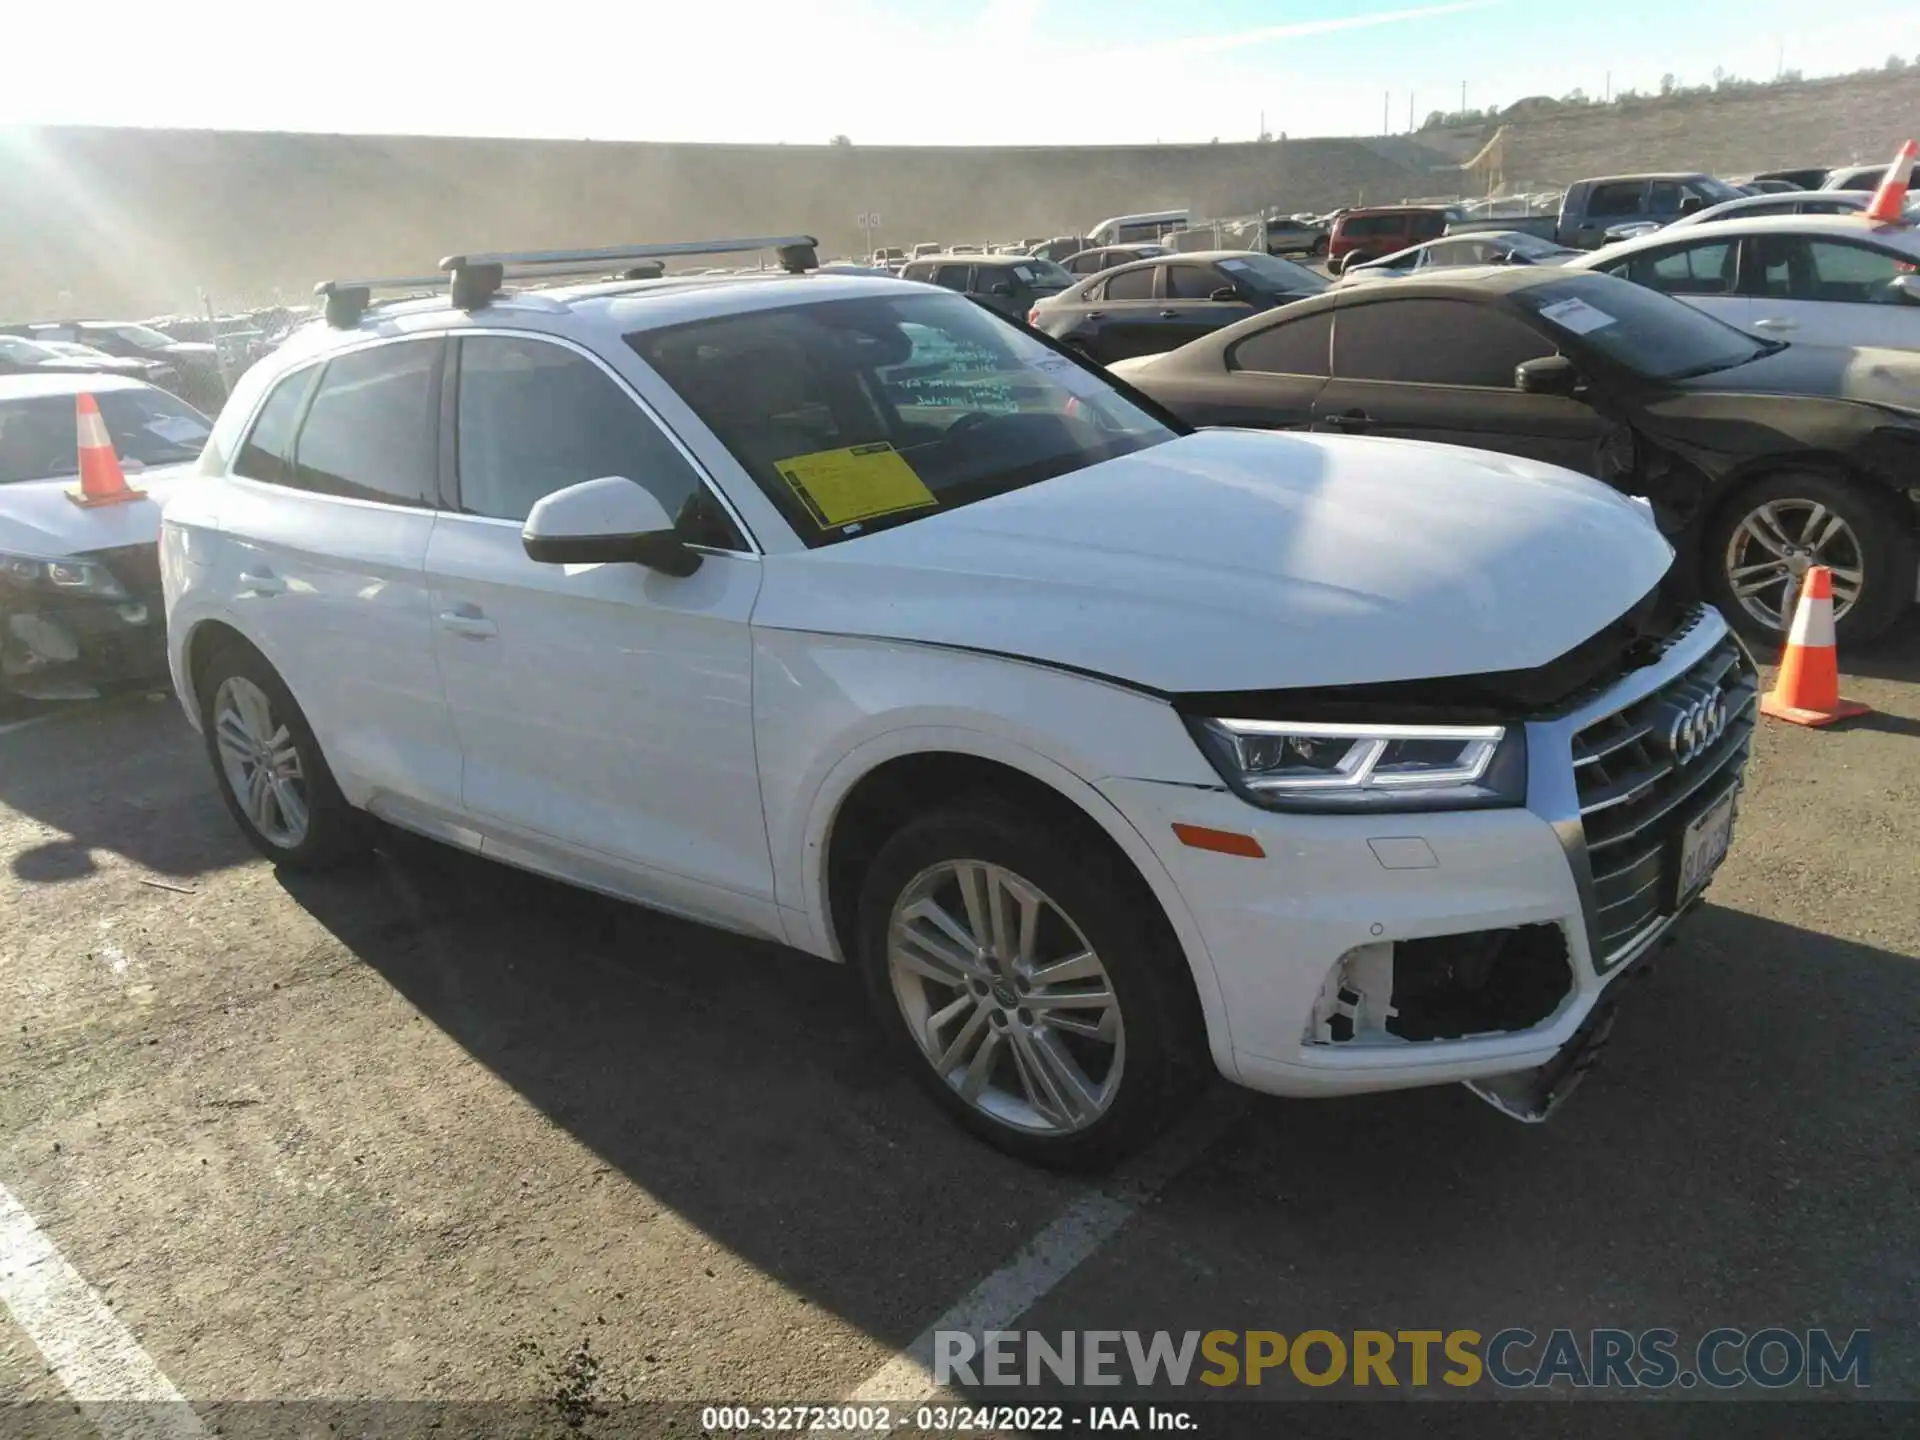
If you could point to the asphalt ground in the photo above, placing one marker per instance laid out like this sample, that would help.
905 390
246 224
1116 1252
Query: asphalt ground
430 1129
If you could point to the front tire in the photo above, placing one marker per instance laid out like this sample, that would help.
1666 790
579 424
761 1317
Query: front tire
1760 543
272 776
1030 984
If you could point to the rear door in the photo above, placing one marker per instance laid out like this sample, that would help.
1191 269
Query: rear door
1828 291
1609 203
1270 378
325 523
1704 273
1127 316
1190 310
1437 369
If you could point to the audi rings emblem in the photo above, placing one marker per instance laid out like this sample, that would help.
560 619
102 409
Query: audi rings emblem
1694 725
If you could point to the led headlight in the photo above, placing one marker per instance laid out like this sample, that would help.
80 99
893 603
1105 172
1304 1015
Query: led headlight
61 576
1317 766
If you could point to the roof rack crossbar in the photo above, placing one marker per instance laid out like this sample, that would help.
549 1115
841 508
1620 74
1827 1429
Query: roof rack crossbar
477 278
347 300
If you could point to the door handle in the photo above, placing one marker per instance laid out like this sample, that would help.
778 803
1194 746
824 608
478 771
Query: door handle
1775 322
1348 420
1169 314
468 624
265 583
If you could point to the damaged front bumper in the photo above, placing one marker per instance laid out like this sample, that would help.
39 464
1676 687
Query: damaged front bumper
70 647
1484 947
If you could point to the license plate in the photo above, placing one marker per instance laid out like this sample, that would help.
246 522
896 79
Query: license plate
1703 845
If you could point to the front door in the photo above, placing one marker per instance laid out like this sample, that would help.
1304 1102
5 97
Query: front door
1190 310
1827 292
605 711
1443 370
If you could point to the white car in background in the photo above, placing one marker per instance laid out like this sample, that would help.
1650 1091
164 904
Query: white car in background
1816 279
1491 247
841 612
80 604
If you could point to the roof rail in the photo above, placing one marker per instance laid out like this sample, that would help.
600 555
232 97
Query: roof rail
347 300
478 278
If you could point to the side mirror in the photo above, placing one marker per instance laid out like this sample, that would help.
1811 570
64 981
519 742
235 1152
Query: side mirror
1514 257
1226 295
1000 287
606 521
1548 375
1907 288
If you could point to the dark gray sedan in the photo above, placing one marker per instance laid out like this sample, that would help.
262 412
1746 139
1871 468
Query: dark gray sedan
1155 305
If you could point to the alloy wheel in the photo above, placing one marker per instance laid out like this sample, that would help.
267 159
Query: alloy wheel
261 762
1770 551
1005 997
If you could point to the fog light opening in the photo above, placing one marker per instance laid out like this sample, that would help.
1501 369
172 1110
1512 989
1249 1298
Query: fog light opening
1448 987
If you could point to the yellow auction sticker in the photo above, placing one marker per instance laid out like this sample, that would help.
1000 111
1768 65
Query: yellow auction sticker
861 482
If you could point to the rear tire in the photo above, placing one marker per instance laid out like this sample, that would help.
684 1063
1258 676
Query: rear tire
1762 537
983 1027
272 777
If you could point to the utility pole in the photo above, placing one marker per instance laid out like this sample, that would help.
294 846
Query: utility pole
1463 97
1409 112
1608 97
1386 113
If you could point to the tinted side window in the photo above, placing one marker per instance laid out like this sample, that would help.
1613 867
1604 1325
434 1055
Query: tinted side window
1425 227
267 452
917 272
1193 282
371 433
1854 273
1621 198
536 418
1433 342
1292 347
954 277
1704 269
1131 284
1666 197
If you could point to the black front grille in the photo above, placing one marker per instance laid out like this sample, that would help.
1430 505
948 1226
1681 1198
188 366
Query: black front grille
136 567
1637 795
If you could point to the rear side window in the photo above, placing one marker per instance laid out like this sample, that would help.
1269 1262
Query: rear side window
1433 342
1620 198
372 429
1705 269
1131 284
1292 347
1193 282
1425 227
267 453
535 418
954 277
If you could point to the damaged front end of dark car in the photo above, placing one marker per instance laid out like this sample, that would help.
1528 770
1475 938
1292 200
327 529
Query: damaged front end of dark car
74 626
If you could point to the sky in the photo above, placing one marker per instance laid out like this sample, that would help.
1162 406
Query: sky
923 72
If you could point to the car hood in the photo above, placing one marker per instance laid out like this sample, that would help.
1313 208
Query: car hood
1840 372
37 518
1241 560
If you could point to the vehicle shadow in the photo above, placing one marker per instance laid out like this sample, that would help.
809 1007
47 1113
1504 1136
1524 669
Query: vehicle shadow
125 775
1746 1128
737 1082
1895 656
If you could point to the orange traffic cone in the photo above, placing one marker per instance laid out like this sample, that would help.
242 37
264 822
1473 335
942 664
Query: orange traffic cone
102 481
1889 201
1807 691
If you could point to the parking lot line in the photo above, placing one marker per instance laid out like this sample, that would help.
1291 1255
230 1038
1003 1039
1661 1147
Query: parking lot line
1055 1253
90 1352
9 726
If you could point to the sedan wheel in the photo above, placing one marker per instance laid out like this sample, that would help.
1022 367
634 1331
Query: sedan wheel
261 762
1009 1002
1770 551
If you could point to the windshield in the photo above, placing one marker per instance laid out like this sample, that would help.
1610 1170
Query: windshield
1651 334
1713 191
856 415
144 336
24 352
1272 276
38 440
1042 275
